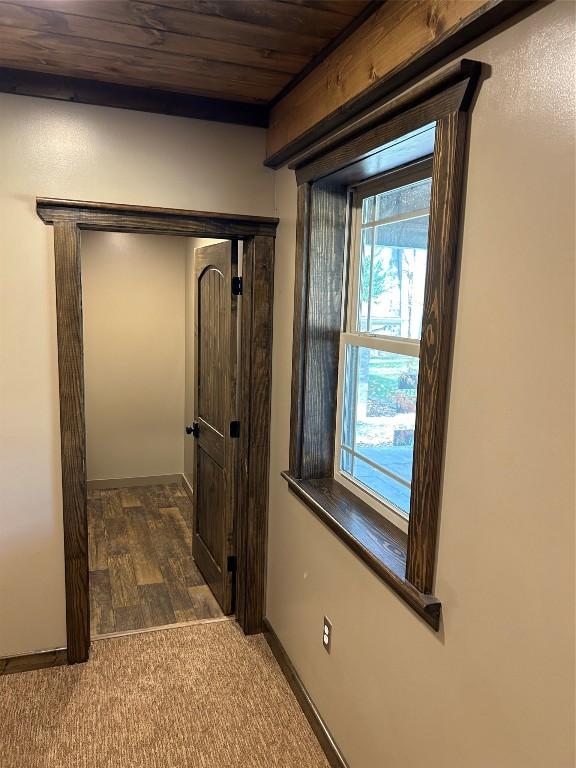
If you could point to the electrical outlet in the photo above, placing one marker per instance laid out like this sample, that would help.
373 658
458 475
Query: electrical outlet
327 635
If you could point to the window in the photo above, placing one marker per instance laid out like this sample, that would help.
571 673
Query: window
377 234
380 342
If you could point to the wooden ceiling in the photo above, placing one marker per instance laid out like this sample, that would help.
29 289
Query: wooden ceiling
245 51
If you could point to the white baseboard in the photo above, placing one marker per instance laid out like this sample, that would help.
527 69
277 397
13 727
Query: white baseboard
187 486
132 482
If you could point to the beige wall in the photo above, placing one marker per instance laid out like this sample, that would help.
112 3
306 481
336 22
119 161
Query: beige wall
193 243
133 289
88 153
495 688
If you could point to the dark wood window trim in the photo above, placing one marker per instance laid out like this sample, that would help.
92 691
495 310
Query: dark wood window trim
395 133
68 218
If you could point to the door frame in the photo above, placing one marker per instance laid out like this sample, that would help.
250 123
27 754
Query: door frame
68 218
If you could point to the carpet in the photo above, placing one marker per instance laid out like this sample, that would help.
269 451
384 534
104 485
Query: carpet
201 696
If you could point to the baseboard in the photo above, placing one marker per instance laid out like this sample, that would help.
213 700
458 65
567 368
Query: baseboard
187 487
133 482
331 750
30 661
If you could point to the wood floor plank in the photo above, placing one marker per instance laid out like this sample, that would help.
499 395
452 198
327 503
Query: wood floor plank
102 620
156 605
122 581
97 543
175 580
204 603
156 496
192 573
128 618
101 610
100 587
162 537
111 504
129 497
182 532
117 539
142 551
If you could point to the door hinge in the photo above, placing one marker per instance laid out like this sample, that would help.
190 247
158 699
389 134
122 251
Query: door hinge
236 286
234 429
232 563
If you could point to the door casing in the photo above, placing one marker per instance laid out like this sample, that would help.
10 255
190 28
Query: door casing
68 218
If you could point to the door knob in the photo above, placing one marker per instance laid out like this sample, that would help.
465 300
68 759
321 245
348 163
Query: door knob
194 429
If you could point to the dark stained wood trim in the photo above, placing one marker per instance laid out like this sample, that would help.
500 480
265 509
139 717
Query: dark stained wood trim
83 91
68 218
413 116
72 436
299 327
327 239
255 403
320 260
28 662
356 21
465 72
333 754
113 217
435 348
377 542
479 23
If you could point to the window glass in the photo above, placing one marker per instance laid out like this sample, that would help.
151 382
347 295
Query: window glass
392 269
379 409
381 344
395 202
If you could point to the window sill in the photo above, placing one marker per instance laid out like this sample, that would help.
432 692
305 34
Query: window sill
377 542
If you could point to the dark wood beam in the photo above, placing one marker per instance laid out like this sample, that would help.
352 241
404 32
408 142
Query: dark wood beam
83 91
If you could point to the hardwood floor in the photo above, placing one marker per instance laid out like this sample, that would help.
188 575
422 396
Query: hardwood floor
141 569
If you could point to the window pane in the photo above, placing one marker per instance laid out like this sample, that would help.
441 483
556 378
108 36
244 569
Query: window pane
387 488
365 278
379 411
392 261
397 202
398 278
367 209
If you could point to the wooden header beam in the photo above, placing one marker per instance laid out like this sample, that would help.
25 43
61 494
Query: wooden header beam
142 219
398 43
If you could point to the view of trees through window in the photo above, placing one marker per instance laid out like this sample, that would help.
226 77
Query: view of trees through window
381 342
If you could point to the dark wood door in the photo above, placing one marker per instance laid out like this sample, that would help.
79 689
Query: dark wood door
215 411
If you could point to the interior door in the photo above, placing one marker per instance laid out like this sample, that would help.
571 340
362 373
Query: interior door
215 427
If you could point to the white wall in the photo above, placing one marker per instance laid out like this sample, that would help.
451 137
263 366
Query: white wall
133 292
495 688
51 148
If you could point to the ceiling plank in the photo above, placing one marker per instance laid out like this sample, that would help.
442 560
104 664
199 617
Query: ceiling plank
141 14
84 91
48 21
349 8
268 13
64 55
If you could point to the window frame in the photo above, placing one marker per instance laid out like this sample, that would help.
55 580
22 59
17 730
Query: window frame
393 179
388 135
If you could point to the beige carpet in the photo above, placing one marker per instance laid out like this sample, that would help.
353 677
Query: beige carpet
202 696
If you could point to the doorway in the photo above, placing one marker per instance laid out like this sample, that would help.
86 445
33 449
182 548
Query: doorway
153 308
246 537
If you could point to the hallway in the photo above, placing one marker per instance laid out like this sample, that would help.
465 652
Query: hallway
204 695
141 569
